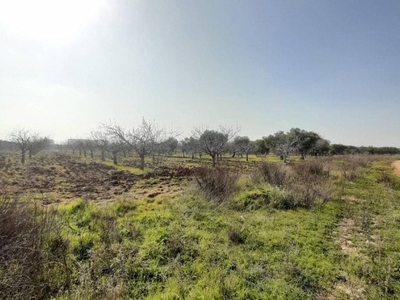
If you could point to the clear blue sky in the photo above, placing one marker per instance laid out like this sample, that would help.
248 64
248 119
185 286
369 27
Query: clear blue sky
332 67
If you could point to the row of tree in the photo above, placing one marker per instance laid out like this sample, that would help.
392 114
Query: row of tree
29 142
148 139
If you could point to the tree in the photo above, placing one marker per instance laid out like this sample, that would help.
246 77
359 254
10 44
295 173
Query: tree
38 144
283 144
168 146
28 141
90 145
143 139
261 147
212 142
107 143
190 145
338 149
243 145
22 138
306 140
322 147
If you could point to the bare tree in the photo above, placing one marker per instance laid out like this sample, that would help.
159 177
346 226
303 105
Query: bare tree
29 141
143 139
22 137
212 142
108 144
38 144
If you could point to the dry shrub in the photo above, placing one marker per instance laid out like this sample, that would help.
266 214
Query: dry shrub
301 183
309 169
273 173
24 230
216 183
309 181
352 165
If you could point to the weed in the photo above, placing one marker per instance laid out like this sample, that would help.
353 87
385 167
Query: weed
216 183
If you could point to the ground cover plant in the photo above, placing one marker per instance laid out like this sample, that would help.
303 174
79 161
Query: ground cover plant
323 228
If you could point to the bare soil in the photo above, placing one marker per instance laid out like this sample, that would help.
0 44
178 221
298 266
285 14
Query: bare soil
59 177
396 166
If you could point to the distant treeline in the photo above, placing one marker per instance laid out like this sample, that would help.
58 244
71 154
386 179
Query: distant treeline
7 146
339 149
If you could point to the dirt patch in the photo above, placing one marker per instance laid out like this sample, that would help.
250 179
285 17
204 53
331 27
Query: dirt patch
396 166
58 177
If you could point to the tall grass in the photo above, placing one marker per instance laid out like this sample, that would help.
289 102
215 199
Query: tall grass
24 233
216 183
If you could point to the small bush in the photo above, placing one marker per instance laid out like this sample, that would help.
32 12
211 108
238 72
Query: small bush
310 169
24 230
273 173
309 181
216 184
300 183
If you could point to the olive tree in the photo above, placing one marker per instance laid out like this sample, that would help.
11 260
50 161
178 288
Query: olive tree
306 140
283 144
190 146
243 145
212 142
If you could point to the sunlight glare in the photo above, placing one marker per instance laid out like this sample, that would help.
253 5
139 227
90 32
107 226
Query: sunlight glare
48 19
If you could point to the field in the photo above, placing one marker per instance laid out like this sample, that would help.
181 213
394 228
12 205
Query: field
78 228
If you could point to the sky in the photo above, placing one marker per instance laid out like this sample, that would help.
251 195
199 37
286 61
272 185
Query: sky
332 67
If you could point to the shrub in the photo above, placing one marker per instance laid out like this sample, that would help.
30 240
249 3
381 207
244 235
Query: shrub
308 182
216 183
24 230
273 173
301 183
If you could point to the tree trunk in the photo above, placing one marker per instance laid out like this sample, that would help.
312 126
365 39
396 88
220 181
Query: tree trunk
84 152
141 161
213 160
91 153
115 158
30 154
80 152
22 157
247 157
103 155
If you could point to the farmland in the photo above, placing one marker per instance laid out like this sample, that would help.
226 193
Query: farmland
79 228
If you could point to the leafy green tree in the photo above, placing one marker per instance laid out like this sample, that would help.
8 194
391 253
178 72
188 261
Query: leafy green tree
169 146
338 149
322 147
306 140
190 145
261 147
212 142
243 145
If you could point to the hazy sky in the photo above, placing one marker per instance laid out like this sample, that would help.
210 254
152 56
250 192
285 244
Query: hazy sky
332 67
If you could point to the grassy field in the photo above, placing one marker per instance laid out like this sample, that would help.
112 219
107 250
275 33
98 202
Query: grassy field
326 228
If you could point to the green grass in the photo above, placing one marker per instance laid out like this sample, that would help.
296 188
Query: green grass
189 247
